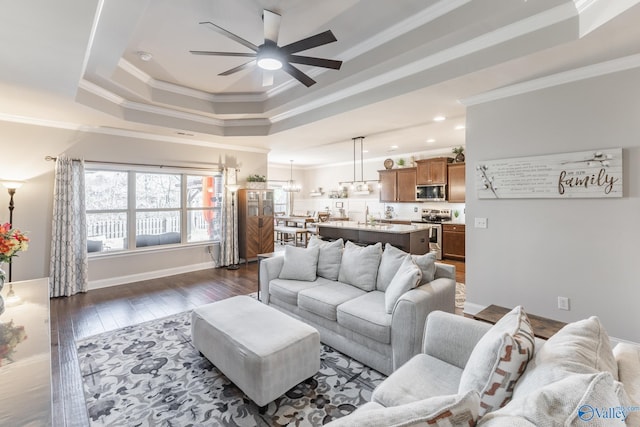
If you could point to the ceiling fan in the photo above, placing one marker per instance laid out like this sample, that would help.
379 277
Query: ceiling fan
269 56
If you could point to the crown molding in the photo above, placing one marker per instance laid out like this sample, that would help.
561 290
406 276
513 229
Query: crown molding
590 71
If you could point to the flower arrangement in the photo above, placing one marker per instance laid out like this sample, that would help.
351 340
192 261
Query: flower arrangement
12 241
256 178
10 337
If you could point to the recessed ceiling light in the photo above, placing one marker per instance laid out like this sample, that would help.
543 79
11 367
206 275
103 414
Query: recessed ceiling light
459 127
439 118
365 151
394 147
145 56
430 141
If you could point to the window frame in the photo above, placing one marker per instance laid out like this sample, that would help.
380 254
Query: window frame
131 211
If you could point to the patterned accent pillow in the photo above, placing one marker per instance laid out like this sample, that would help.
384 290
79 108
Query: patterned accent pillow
299 264
440 411
329 258
498 360
571 401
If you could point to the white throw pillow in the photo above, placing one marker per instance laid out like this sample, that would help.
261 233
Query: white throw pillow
359 266
299 263
440 411
580 347
427 264
581 400
498 360
406 278
390 262
628 357
329 257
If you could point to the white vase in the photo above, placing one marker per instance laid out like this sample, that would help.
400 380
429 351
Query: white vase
256 185
2 277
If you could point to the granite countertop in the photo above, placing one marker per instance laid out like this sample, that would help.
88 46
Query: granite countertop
383 228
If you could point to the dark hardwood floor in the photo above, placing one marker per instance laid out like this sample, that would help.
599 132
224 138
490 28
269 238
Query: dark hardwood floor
102 310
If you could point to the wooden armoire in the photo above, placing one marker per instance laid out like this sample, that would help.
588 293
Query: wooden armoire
255 223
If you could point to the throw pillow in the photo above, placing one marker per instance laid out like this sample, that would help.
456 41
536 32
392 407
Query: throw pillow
299 263
441 411
329 257
628 357
359 266
390 262
407 277
427 264
498 360
579 347
580 400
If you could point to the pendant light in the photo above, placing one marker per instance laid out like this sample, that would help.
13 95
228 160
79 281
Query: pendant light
291 186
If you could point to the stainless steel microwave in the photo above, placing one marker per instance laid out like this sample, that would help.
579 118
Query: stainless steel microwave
431 193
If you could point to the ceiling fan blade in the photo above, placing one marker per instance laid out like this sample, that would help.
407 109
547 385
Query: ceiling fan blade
297 74
310 42
238 68
271 25
229 34
267 78
206 52
316 62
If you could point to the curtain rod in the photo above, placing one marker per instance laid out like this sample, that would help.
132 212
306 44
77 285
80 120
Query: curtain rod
50 158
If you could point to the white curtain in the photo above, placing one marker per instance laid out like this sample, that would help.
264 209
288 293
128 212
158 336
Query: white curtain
229 243
68 268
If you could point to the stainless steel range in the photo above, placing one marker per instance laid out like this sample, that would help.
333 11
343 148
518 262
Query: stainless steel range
435 217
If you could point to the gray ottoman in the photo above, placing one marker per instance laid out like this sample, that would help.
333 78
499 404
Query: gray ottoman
263 351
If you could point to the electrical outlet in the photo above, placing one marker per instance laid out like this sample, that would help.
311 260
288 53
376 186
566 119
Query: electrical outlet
563 303
481 222
415 209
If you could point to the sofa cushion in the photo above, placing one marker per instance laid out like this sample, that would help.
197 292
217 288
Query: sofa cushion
407 277
366 316
329 258
427 264
577 400
579 347
390 262
323 300
359 266
498 360
628 357
299 263
422 377
287 290
441 411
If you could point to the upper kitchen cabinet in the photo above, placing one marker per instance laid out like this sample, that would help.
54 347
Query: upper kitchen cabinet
456 182
398 185
432 171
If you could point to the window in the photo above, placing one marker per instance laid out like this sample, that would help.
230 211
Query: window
155 208
280 197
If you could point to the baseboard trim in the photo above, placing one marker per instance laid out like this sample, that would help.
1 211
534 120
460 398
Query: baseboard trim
123 280
473 309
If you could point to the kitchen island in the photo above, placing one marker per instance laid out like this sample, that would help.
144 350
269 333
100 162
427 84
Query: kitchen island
410 238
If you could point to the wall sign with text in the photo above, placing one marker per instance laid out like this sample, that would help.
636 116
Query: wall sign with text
585 174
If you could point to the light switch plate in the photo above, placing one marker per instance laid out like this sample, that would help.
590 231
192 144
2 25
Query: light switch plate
481 223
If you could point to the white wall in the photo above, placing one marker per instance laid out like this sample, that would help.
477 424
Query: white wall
34 200
536 250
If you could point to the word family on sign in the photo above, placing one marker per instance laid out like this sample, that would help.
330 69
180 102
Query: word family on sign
587 174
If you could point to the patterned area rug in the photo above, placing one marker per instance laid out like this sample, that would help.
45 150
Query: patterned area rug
460 295
151 375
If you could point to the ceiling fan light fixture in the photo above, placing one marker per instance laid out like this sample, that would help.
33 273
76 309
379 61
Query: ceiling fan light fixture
269 57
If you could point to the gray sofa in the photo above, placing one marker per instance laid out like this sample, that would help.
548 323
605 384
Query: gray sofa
352 297
559 382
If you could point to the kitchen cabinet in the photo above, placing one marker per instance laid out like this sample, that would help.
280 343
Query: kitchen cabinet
398 185
456 183
432 171
453 246
255 223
